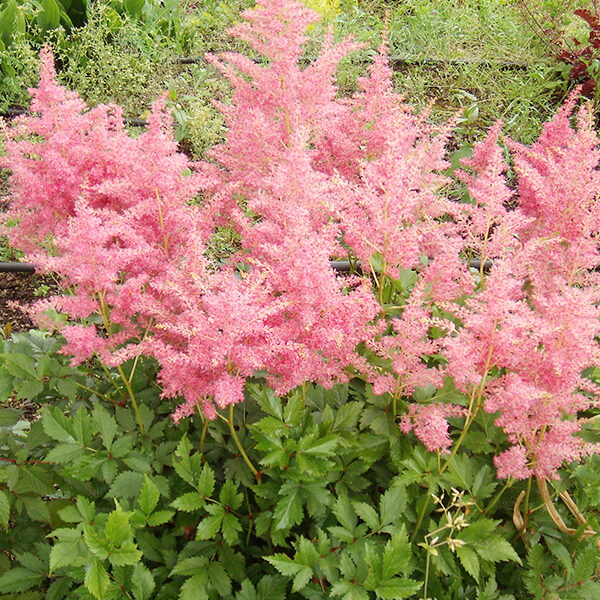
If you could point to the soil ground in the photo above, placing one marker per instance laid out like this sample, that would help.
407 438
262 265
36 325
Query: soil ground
17 291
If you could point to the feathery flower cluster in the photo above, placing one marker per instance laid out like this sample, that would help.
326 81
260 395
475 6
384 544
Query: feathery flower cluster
305 176
536 319
429 422
102 209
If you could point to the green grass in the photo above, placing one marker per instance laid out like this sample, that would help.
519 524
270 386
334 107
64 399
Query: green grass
112 59
483 33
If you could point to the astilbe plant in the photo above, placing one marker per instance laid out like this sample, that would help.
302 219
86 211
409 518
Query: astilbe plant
304 176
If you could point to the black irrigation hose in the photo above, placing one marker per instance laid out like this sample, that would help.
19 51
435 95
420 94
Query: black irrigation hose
344 266
16 267
341 266
16 111
399 61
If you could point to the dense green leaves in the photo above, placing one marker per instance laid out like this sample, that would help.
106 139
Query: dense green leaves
346 506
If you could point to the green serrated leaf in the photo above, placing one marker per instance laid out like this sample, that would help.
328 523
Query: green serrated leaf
126 485
345 513
138 463
57 426
122 446
349 590
267 400
195 588
86 508
127 554
160 517
82 427
142 582
319 447
19 580
96 580
66 534
19 365
149 496
561 553
229 496
209 527
193 565
4 510
368 514
230 527
189 502
98 546
67 387
284 564
585 565
70 514
247 591
288 510
37 509
496 549
30 389
396 555
272 587
301 579
392 504
292 413
59 588
64 453
31 562
396 588
347 416
117 529
469 560
63 554
219 579
106 425
206 482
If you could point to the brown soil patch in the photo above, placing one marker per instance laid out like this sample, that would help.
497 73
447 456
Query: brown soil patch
17 291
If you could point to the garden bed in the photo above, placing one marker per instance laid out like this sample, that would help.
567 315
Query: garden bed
22 289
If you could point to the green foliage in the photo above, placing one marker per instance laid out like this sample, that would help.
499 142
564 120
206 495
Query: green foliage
344 505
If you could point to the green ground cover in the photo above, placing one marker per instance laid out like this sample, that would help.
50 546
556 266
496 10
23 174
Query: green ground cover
115 58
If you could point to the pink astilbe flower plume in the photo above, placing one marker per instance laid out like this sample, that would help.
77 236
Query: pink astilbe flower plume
101 209
430 425
536 318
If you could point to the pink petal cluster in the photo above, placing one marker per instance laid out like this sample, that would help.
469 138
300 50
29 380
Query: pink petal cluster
429 422
104 210
536 319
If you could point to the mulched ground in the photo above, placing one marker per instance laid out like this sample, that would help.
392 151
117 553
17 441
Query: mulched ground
19 288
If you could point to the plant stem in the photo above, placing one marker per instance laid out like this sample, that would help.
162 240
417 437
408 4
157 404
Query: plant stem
421 516
426 577
497 497
135 361
89 389
236 439
474 407
203 434
107 326
136 408
526 508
